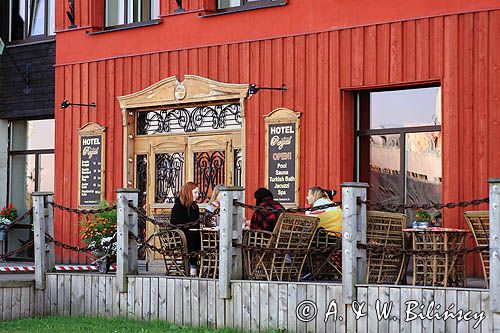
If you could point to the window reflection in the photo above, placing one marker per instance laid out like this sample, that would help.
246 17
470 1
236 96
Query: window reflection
380 167
424 173
402 108
46 179
33 134
397 156
22 181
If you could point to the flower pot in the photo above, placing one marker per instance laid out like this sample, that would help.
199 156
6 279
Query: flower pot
421 224
103 261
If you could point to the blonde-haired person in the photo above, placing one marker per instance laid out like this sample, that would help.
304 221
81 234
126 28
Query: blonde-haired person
185 211
214 204
329 218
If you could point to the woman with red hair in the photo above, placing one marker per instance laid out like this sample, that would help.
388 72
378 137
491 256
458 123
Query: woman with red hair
186 210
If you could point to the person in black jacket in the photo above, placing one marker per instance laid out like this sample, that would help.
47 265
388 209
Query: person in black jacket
186 210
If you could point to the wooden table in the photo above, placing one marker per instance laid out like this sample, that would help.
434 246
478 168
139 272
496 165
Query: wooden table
436 262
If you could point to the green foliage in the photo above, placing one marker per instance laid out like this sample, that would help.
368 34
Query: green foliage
100 227
422 215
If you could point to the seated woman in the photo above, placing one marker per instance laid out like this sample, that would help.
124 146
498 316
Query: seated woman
213 206
186 210
329 218
265 219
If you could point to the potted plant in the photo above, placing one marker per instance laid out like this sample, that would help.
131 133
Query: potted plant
8 215
422 219
97 230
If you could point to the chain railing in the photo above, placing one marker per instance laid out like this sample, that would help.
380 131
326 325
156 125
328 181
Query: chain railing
289 210
370 204
82 211
167 225
20 249
438 206
85 249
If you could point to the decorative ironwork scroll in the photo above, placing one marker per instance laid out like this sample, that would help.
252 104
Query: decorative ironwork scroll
169 175
238 167
195 119
209 170
141 177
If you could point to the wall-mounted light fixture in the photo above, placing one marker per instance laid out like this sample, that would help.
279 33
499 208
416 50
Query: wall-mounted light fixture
253 89
65 104
71 14
179 8
24 74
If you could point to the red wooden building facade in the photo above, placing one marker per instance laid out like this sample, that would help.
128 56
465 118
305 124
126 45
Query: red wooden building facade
324 51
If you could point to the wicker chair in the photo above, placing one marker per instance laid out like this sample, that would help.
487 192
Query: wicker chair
326 265
209 260
479 224
386 229
294 233
175 253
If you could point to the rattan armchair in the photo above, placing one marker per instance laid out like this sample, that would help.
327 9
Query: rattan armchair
326 265
479 224
279 255
174 250
386 229
209 259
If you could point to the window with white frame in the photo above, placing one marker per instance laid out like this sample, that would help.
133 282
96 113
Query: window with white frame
131 11
227 4
26 19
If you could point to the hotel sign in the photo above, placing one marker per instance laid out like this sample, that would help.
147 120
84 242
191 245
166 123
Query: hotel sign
282 160
91 158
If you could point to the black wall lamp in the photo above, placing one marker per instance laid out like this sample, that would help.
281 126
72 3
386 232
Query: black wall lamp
25 74
65 104
253 89
179 8
71 14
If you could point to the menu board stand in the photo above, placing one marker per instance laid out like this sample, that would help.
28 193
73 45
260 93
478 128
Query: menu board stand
283 155
91 164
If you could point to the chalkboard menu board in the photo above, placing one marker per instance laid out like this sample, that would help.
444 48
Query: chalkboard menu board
282 148
91 165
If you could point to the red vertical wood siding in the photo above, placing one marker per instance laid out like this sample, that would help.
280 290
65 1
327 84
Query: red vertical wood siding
321 70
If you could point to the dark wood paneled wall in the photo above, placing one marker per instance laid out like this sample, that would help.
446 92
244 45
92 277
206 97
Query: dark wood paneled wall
321 70
39 59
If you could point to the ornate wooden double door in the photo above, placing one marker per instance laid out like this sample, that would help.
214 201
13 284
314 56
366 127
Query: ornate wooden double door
179 131
164 164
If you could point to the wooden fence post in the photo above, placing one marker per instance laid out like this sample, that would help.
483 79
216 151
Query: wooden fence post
353 231
43 222
494 245
126 249
230 258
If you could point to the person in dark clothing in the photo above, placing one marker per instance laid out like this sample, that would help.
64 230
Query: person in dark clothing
186 210
264 219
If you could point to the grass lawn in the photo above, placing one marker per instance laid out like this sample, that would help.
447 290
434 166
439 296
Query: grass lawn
88 325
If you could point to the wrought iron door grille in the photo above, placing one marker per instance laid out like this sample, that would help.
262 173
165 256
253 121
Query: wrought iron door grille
141 177
169 176
209 170
238 166
184 120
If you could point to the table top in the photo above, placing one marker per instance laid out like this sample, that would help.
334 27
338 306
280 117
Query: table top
435 229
